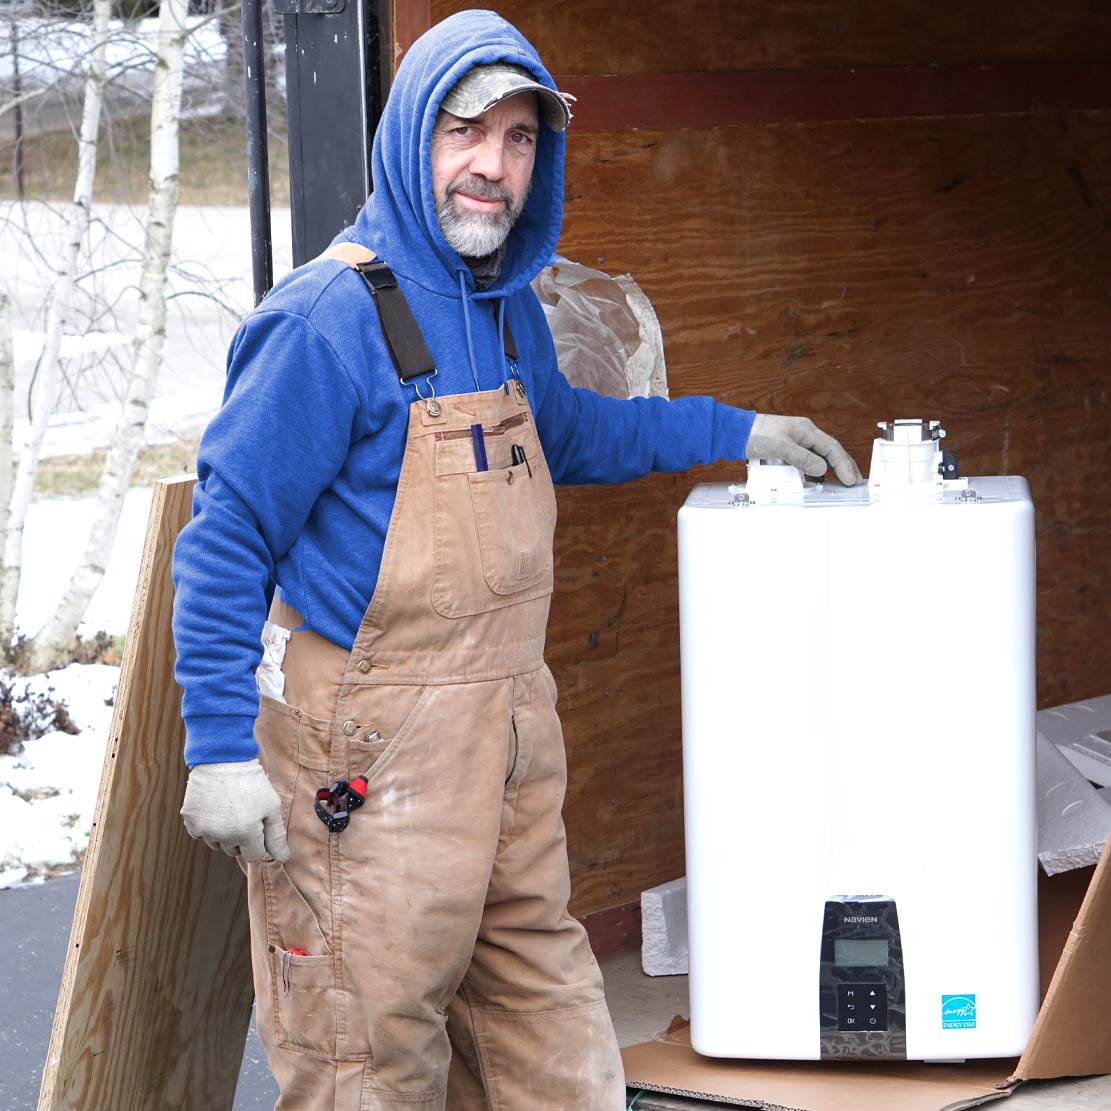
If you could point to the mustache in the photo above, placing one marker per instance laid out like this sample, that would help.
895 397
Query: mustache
480 187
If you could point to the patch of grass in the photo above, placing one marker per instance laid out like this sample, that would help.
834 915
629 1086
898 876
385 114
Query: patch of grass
35 873
76 476
213 162
34 794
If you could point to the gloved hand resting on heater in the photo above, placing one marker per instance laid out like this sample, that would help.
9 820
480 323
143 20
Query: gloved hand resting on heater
233 807
800 442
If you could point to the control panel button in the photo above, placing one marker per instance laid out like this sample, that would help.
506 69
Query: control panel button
861 1007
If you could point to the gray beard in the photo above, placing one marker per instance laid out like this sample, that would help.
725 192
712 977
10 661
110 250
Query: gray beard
476 235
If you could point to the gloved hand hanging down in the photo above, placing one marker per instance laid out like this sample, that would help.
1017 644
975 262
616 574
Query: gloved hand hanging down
233 807
800 442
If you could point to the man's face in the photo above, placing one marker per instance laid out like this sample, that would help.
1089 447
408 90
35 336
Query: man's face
482 171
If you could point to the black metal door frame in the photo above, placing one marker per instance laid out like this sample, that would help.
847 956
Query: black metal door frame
337 77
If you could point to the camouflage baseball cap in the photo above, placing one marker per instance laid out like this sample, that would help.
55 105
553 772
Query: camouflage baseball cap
481 87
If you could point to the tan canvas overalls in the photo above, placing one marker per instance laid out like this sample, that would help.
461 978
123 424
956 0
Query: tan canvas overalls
442 969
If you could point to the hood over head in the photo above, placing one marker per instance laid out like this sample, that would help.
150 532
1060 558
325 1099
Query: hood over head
398 221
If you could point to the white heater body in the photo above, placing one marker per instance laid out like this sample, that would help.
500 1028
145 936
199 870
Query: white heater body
858 739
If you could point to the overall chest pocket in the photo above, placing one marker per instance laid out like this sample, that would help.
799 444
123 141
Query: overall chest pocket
493 528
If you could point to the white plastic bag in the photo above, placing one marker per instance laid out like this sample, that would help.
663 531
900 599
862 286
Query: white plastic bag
270 677
607 337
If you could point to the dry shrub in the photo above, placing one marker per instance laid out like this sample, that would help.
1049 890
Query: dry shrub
101 648
25 715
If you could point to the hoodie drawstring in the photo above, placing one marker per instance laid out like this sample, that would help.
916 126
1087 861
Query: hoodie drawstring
467 327
512 365
514 370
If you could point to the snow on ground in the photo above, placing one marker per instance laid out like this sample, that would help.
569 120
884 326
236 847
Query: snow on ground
168 419
27 346
48 792
54 536
52 49
54 58
211 253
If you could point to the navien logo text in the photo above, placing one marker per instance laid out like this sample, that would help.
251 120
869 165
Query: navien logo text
861 919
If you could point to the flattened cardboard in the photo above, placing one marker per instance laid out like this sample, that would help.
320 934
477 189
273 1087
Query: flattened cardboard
669 1064
1072 1034
1071 1037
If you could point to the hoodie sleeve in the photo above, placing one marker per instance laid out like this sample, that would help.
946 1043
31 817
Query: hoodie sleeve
590 438
290 412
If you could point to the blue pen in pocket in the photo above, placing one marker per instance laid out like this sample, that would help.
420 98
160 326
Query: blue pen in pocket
479 448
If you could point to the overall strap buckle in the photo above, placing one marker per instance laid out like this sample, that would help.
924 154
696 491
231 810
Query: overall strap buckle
410 354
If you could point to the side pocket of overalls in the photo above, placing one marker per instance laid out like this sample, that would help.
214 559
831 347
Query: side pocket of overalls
304 957
297 895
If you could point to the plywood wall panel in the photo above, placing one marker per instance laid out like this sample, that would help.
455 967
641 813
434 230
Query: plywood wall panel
790 264
675 36
613 646
959 269
156 993
955 267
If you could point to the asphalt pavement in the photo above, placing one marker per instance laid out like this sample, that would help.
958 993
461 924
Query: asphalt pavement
34 932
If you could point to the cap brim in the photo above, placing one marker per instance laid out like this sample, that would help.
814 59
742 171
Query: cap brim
553 108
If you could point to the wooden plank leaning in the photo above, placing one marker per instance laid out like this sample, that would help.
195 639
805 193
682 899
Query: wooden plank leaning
156 993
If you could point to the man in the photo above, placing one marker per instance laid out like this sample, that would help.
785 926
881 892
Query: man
423 955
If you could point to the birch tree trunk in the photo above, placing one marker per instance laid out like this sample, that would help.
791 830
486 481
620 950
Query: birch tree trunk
54 641
7 408
50 371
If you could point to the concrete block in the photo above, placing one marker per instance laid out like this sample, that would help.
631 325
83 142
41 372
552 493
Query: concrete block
663 917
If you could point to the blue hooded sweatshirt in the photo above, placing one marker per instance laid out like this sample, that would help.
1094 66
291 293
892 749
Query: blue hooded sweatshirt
297 472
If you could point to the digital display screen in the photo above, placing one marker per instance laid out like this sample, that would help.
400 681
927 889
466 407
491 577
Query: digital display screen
857 951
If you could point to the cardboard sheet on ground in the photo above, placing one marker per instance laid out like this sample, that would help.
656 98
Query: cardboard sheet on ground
669 1064
1071 1037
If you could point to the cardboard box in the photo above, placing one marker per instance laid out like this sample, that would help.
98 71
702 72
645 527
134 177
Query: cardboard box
1071 1037
1072 1033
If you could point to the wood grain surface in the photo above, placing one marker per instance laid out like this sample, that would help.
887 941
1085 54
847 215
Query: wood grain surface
958 269
676 36
156 992
956 266
613 642
724 98
409 20
949 267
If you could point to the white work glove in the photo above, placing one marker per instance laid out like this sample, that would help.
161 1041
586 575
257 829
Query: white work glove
800 442
233 807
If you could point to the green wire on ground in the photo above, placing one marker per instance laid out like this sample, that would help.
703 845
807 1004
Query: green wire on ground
634 1103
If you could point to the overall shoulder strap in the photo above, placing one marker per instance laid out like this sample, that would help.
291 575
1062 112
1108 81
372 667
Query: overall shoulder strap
410 353
411 357
507 340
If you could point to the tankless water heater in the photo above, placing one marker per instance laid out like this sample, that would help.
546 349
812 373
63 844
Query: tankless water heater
858 740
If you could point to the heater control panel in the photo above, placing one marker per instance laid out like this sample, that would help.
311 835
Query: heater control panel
861 1007
861 984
